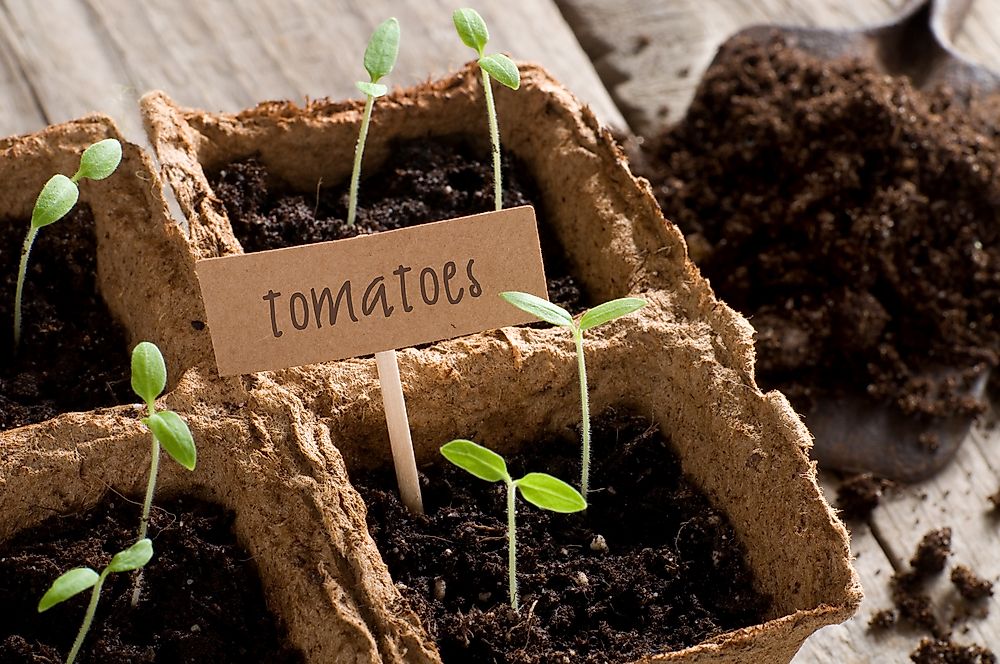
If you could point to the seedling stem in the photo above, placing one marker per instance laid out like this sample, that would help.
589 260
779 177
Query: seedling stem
556 315
380 58
539 489
495 142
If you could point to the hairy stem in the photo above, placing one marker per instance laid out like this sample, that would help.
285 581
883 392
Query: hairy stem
88 618
147 504
491 113
359 151
22 272
584 412
512 542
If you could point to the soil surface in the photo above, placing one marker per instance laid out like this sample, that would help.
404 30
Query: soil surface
73 356
201 602
426 181
970 586
852 218
651 566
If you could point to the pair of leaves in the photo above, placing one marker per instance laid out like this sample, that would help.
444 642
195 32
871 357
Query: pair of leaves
61 193
149 378
539 489
380 57
75 581
556 315
472 30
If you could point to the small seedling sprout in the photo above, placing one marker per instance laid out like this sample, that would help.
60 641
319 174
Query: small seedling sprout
77 580
149 378
556 315
380 58
55 201
472 30
539 489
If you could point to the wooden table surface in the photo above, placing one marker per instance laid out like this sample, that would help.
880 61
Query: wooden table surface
635 61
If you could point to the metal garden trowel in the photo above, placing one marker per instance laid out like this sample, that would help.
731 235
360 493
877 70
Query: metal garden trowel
855 433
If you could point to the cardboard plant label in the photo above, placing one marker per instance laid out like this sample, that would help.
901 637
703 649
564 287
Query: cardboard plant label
333 300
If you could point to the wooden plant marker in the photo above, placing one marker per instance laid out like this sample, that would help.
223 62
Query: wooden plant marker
372 294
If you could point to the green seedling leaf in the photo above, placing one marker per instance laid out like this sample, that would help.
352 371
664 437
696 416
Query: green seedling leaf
100 160
383 47
372 89
476 460
609 311
149 373
174 435
550 493
68 585
502 69
57 198
471 28
132 558
539 308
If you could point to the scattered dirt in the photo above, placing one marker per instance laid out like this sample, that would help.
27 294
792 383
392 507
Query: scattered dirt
651 566
913 603
970 586
882 620
73 354
932 553
858 496
931 651
201 602
995 502
426 181
842 211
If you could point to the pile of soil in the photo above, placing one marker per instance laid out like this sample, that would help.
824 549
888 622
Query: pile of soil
425 181
849 216
932 651
858 496
201 601
73 355
651 566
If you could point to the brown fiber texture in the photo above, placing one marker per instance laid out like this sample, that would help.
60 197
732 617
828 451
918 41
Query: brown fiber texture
144 267
686 360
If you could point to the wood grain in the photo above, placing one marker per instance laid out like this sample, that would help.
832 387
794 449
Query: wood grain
652 54
85 55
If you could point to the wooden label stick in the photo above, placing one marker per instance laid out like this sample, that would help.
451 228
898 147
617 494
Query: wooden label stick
399 430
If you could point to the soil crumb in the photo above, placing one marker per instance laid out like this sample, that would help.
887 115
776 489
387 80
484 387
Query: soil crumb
932 553
969 585
840 210
650 567
858 496
73 355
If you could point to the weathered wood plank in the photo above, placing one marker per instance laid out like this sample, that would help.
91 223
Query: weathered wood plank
19 109
651 54
221 55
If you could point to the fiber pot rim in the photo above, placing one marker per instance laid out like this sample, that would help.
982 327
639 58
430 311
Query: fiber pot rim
144 271
257 457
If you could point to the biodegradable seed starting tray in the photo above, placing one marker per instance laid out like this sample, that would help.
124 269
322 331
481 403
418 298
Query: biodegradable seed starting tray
276 447
260 457
144 270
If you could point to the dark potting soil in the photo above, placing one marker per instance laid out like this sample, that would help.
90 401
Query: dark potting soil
651 566
73 356
201 601
851 217
858 496
426 181
969 585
